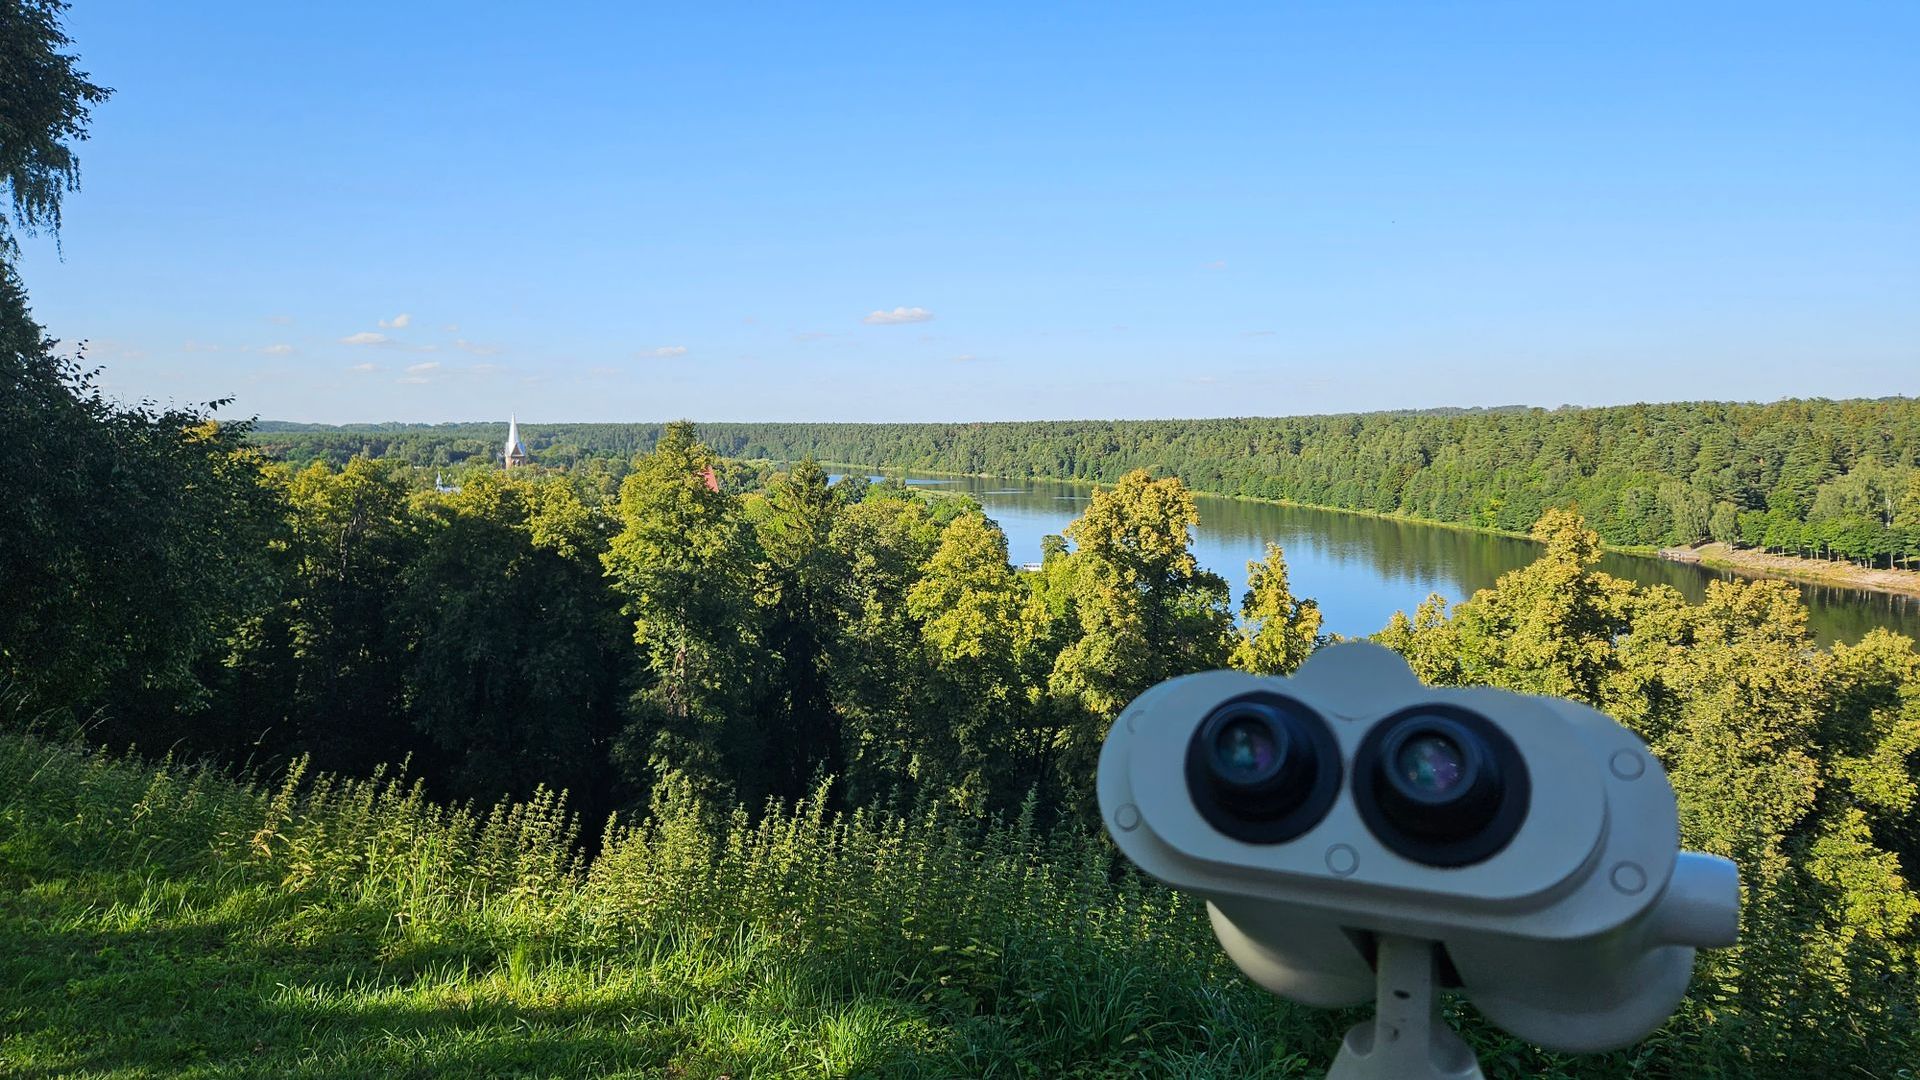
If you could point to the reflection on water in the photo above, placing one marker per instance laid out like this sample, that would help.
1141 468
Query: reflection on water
1363 569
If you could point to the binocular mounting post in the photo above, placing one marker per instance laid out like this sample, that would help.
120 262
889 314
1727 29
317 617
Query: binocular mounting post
1407 1039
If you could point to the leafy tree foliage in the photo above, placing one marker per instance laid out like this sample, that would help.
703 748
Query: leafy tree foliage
798 593
351 539
1145 609
775 628
1640 474
1798 764
45 103
681 564
882 685
516 657
982 745
133 537
1277 630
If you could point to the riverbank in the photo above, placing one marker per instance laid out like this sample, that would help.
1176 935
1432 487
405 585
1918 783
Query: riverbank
1362 566
1646 550
1714 556
1755 563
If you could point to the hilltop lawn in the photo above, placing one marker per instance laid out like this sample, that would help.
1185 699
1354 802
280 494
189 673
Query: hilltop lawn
161 920
164 921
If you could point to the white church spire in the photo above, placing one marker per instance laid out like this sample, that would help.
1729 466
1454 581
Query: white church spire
516 453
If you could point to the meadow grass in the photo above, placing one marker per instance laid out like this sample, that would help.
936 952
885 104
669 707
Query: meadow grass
168 920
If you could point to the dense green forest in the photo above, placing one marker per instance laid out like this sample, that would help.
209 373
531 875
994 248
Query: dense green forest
1820 479
888 921
774 672
650 756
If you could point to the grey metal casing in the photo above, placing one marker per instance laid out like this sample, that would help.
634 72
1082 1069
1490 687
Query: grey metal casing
1578 935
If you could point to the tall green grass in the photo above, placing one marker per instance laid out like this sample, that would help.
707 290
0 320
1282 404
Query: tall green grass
166 919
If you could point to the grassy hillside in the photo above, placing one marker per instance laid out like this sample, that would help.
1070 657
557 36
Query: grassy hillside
164 920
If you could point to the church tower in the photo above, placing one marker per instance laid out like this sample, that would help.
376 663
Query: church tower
516 452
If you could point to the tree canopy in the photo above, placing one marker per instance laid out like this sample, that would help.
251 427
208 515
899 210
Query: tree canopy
45 104
1821 479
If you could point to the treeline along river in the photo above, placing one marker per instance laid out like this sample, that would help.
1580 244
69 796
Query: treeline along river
1361 569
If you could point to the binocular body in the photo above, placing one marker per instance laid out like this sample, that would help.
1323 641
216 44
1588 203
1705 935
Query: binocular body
1534 840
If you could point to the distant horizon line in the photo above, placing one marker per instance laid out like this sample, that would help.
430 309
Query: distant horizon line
1426 410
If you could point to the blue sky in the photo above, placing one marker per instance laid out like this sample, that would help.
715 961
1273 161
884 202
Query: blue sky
424 211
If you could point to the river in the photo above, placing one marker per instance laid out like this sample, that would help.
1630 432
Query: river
1362 569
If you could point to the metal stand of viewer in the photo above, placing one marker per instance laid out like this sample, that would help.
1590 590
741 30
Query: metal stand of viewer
1407 1039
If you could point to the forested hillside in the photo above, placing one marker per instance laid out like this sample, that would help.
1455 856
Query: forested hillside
1825 479
718 643
665 755
714 644
332 926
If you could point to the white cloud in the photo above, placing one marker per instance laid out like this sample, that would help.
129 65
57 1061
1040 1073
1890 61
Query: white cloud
114 349
965 358
364 367
277 350
398 322
382 341
280 320
668 352
421 369
897 316
1258 333
475 347
1217 264
452 328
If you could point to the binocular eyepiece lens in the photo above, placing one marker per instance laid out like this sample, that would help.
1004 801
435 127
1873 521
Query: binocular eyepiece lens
1263 768
1247 750
1438 784
1441 785
1438 778
1431 763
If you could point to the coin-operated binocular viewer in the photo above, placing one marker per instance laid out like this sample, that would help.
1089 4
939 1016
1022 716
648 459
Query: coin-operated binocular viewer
1357 834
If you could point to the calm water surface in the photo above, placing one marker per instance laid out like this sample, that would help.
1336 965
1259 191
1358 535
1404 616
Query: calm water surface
1363 569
